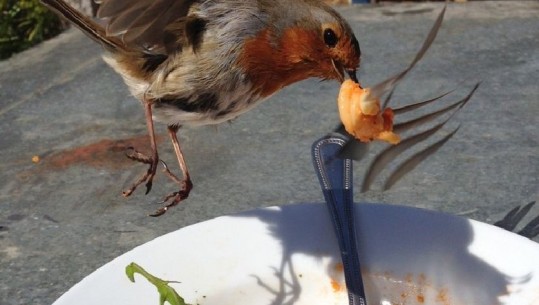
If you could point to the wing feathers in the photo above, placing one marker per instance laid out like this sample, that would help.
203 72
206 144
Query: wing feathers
112 8
87 25
144 23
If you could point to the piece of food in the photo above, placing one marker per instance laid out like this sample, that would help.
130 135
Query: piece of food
362 116
166 293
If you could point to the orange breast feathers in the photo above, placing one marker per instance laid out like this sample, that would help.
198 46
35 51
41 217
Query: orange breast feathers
363 117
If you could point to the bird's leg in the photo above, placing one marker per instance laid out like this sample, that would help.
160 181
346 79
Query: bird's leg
152 160
185 184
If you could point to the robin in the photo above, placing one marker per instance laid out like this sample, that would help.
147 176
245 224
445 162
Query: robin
202 62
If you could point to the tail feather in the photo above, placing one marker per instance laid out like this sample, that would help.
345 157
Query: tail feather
86 24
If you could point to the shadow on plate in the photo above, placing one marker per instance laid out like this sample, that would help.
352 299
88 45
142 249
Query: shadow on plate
429 252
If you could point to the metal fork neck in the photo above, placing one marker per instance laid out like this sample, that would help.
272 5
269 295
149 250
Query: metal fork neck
335 176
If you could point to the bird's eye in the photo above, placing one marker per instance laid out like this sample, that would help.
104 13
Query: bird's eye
330 38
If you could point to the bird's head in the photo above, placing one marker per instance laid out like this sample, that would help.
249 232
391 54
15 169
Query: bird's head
308 41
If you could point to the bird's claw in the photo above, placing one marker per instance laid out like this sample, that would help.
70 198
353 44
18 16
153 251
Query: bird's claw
135 155
169 200
175 198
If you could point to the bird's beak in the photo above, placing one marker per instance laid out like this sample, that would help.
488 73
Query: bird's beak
353 75
339 70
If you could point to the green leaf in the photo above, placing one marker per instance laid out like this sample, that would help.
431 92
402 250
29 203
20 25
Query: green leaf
166 293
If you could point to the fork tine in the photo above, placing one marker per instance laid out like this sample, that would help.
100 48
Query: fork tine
387 85
390 153
401 127
388 98
413 161
390 83
430 38
411 107
414 106
356 150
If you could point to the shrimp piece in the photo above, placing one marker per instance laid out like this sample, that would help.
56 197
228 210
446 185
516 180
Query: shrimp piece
363 117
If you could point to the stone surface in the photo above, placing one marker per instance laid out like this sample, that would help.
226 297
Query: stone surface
63 217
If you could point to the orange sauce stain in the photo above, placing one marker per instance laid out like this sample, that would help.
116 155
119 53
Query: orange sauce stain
420 299
409 278
336 286
442 297
106 153
339 267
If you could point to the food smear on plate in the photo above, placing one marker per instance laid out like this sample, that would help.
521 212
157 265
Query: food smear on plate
361 114
166 293
387 288
383 288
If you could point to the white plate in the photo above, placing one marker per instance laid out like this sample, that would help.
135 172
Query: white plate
289 255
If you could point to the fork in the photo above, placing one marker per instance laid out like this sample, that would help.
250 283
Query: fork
332 158
333 154
335 175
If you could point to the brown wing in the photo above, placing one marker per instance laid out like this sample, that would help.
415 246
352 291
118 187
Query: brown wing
146 24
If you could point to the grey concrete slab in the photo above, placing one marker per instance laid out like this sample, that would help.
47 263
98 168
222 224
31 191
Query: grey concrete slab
63 217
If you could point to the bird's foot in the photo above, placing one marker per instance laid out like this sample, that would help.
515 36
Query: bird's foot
148 176
174 198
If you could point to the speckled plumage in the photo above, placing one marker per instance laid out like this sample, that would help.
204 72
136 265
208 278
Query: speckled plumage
211 67
200 62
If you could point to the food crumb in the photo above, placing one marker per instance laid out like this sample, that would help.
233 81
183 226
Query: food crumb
442 297
339 267
422 278
409 278
36 159
420 298
336 285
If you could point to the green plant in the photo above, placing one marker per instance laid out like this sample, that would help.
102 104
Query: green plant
24 23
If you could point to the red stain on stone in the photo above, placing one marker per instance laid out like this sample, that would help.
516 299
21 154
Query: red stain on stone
105 153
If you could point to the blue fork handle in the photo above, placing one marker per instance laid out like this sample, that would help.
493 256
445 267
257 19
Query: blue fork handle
335 176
